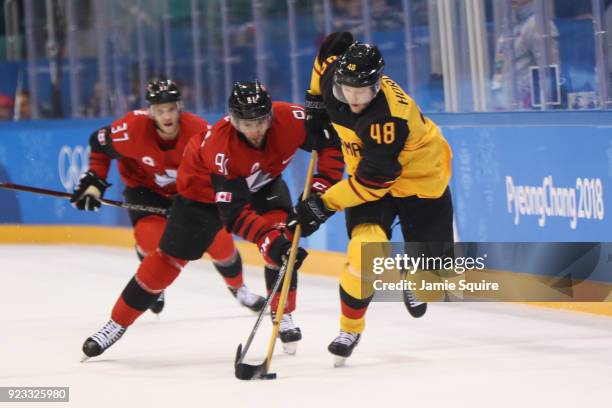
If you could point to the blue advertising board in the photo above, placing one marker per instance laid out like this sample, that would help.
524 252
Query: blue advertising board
517 177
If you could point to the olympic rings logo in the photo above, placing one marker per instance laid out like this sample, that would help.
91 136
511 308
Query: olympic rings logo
71 163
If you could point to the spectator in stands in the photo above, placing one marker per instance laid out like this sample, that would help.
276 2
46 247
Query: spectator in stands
23 105
524 41
386 15
93 108
347 16
608 26
6 107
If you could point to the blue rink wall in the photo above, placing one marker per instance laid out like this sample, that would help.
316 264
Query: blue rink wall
544 176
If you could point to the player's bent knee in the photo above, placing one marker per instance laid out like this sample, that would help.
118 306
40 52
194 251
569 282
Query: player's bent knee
222 249
158 270
148 231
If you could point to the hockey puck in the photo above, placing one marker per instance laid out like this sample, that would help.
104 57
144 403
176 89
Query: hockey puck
269 376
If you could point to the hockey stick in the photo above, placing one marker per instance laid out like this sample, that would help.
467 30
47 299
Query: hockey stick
61 194
245 371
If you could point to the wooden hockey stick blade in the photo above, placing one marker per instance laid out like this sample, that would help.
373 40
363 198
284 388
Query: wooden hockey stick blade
245 371
61 194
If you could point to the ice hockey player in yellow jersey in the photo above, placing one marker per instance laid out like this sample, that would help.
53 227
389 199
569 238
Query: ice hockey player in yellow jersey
397 160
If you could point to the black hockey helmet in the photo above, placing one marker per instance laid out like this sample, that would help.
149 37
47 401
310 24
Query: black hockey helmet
249 100
162 91
360 65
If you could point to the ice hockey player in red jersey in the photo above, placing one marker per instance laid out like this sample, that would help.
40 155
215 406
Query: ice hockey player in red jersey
148 146
230 180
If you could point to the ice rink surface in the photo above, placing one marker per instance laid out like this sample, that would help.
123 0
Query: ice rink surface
458 355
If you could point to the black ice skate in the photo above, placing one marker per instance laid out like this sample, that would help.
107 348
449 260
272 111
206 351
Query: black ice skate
415 308
159 303
248 299
342 346
289 333
103 339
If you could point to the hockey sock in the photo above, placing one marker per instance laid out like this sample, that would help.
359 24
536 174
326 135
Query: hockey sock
226 259
156 272
356 291
271 274
147 232
230 270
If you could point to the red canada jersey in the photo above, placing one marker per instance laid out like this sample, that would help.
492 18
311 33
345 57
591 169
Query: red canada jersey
226 153
144 159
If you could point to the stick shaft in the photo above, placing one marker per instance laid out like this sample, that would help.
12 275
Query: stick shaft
290 264
62 194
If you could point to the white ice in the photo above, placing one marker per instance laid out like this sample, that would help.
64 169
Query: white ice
472 355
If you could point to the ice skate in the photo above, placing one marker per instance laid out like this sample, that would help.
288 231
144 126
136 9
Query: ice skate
342 346
103 339
159 303
415 308
248 299
289 333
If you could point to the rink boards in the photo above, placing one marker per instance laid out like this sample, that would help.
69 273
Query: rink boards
517 177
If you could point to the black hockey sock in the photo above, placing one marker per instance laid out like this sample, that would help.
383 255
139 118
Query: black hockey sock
271 274
231 271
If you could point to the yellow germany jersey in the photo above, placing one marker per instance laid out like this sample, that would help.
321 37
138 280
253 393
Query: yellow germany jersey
390 147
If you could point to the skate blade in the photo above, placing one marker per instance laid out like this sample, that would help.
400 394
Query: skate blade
339 361
290 348
85 358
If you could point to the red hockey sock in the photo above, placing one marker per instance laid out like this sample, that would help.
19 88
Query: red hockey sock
156 272
226 259
289 304
148 232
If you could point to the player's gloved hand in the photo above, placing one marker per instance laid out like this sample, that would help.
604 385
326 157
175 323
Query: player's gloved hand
317 120
310 214
275 248
335 44
89 192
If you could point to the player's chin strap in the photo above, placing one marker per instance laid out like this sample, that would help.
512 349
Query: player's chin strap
250 372
61 194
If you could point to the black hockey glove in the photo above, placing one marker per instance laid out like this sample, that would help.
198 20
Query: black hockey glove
275 248
89 192
310 214
317 120
335 44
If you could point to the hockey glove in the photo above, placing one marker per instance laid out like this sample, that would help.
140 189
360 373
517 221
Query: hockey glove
310 214
275 248
317 124
335 44
89 192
